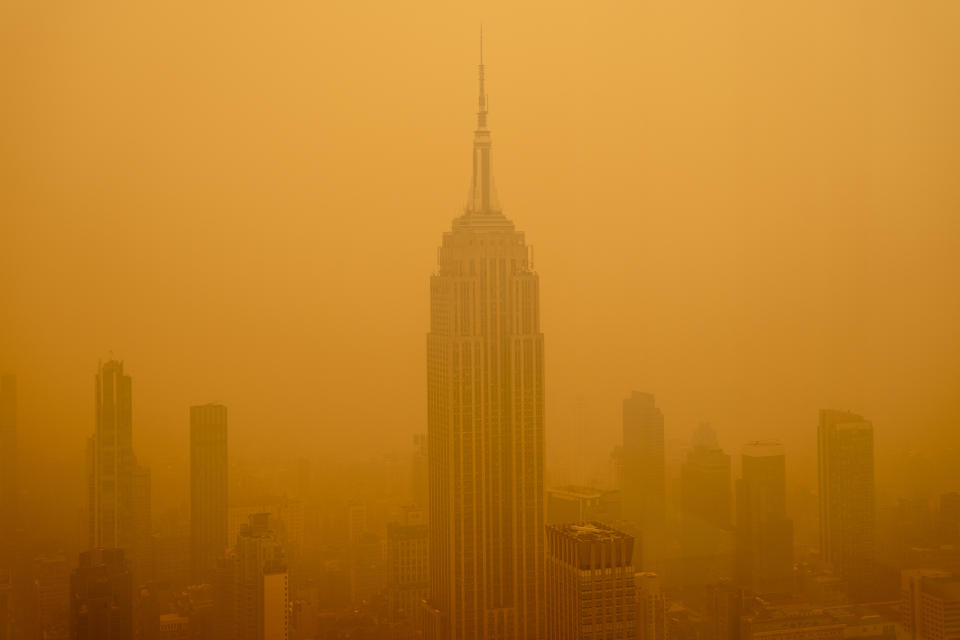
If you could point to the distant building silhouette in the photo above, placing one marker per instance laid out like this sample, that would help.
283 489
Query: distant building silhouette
119 490
51 596
651 607
706 484
724 604
764 533
112 461
705 499
847 502
101 597
590 582
408 571
141 555
208 490
485 389
644 474
260 583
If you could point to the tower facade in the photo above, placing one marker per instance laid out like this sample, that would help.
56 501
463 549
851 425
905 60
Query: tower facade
705 484
261 586
208 489
112 462
101 597
644 467
847 508
591 593
651 607
764 534
485 409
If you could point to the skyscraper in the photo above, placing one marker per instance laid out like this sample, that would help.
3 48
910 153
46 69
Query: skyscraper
51 597
705 480
764 533
847 508
929 605
408 571
485 408
261 586
644 461
208 489
112 461
8 470
141 554
118 489
591 594
706 496
101 597
651 607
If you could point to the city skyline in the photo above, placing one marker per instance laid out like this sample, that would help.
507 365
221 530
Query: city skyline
727 411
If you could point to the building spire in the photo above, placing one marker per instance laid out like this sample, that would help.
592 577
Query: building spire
482 111
482 199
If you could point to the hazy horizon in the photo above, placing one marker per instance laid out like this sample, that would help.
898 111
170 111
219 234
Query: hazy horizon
750 213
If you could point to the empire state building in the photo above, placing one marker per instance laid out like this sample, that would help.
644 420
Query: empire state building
485 395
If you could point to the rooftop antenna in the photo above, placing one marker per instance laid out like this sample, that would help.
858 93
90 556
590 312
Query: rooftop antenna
482 113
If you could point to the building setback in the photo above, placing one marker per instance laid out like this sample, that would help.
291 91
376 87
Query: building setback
847 502
208 490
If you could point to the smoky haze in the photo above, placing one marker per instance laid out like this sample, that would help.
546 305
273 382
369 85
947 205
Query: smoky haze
750 211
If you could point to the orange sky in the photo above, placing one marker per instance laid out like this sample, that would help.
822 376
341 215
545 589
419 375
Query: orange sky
750 209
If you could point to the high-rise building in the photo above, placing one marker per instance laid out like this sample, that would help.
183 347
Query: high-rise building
705 483
208 489
651 607
930 605
112 461
8 470
764 533
141 555
644 461
408 571
485 408
367 568
101 597
591 594
707 540
261 586
51 594
724 604
847 504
